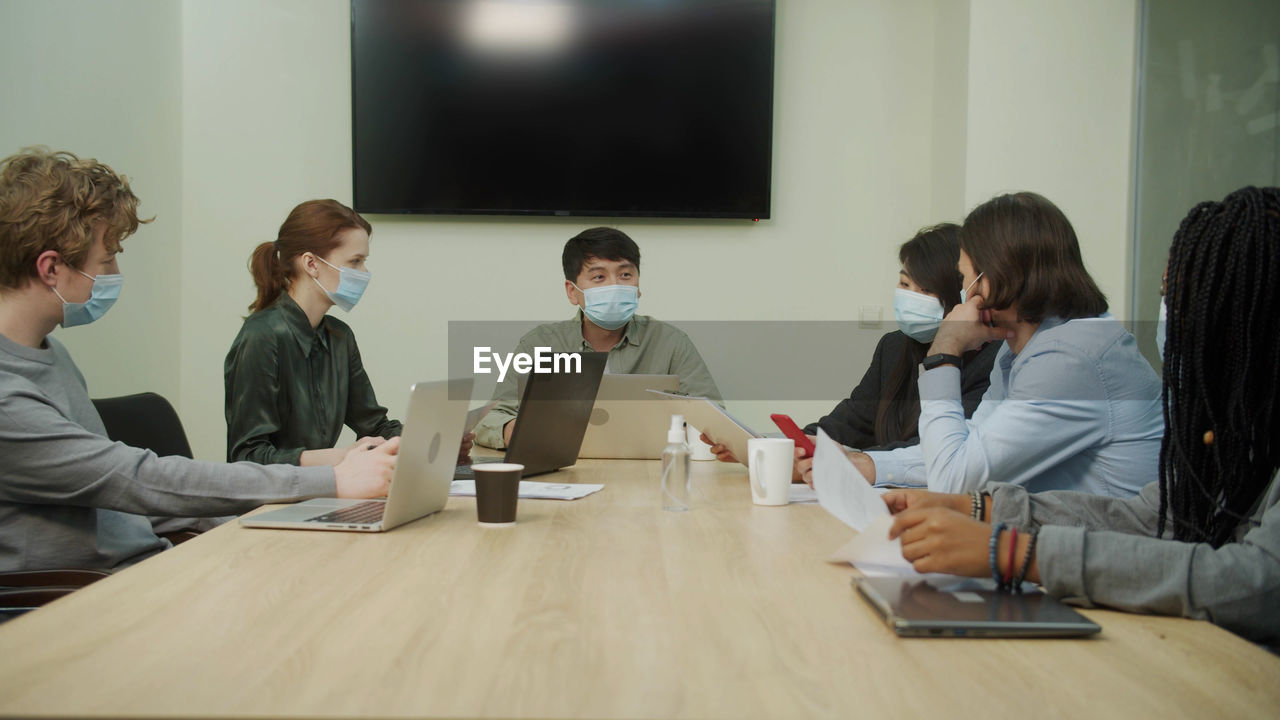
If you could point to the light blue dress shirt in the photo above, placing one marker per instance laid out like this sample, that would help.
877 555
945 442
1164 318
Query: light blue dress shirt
1077 409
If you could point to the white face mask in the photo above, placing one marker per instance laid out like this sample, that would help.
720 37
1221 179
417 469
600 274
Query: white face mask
1161 329
610 306
918 315
964 294
351 285
105 292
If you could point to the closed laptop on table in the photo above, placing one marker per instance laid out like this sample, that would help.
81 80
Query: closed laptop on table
968 607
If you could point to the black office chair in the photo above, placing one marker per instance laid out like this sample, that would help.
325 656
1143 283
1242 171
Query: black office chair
25 590
145 420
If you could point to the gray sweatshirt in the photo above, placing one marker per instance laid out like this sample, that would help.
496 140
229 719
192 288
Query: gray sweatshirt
71 498
1101 550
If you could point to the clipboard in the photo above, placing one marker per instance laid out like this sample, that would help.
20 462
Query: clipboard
704 414
476 415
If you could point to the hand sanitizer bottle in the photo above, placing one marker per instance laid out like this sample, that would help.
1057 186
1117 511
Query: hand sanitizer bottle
675 468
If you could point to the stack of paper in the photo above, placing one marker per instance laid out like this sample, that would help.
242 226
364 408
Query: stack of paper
531 490
801 493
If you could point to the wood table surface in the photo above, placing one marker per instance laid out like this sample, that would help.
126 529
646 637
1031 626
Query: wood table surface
604 607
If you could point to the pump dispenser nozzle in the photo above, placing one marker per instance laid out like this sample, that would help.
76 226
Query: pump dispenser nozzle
676 433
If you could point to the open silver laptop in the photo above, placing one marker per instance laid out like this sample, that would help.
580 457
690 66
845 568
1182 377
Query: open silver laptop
628 422
967 607
424 470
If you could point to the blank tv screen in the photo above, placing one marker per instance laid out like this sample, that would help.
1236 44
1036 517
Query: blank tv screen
563 107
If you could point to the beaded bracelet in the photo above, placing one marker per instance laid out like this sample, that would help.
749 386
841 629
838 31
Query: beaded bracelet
1007 585
1026 560
977 505
991 552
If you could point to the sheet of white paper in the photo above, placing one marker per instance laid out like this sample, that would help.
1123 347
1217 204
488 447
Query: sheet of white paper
475 416
532 490
801 493
845 493
842 490
872 552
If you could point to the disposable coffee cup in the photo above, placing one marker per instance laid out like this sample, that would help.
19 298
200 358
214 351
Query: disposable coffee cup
497 490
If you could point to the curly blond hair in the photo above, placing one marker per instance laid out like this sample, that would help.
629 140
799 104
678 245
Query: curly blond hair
55 201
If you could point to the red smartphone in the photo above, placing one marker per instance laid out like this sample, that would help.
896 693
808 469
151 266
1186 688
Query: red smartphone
793 431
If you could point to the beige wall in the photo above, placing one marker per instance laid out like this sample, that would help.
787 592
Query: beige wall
1051 110
889 115
101 79
267 112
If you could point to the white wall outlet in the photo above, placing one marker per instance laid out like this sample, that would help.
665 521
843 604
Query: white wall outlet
869 316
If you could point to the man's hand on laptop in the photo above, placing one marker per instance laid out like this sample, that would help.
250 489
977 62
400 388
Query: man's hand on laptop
366 472
333 456
367 443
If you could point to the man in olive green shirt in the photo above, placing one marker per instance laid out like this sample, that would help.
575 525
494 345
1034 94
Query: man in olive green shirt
602 278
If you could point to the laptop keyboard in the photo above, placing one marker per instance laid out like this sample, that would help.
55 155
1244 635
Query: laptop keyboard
364 513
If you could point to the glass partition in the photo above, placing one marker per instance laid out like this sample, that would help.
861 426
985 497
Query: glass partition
1208 123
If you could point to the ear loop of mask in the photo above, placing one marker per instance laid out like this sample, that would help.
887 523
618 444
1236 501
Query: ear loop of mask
965 293
54 288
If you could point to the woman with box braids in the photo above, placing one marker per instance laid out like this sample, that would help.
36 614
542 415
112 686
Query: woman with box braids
1222 365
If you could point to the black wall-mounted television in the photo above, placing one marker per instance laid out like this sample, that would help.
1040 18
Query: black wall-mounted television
608 108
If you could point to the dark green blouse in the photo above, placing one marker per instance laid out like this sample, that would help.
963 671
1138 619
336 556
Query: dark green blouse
290 388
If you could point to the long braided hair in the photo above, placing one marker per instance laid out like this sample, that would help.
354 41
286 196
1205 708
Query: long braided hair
1221 444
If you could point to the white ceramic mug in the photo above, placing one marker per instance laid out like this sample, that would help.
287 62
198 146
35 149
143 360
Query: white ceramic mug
769 464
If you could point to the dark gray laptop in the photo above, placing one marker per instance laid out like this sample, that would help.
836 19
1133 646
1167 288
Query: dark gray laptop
554 411
967 607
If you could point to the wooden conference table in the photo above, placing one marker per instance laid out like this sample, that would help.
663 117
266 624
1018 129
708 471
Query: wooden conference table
603 607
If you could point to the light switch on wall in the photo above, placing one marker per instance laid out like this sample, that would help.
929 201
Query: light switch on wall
869 316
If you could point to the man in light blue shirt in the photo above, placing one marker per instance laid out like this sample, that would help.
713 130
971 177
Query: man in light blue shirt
1076 408
1072 405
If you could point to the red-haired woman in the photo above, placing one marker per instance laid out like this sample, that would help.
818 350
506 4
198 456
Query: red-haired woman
293 375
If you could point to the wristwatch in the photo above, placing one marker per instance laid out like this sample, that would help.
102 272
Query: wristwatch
939 359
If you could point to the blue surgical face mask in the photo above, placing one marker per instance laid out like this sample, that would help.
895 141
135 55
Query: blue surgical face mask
351 285
964 294
611 306
1160 328
918 315
106 290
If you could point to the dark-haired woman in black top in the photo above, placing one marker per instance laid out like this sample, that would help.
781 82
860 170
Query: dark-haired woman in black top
882 411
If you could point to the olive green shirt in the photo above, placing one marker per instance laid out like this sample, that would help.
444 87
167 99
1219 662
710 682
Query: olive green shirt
648 347
291 388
